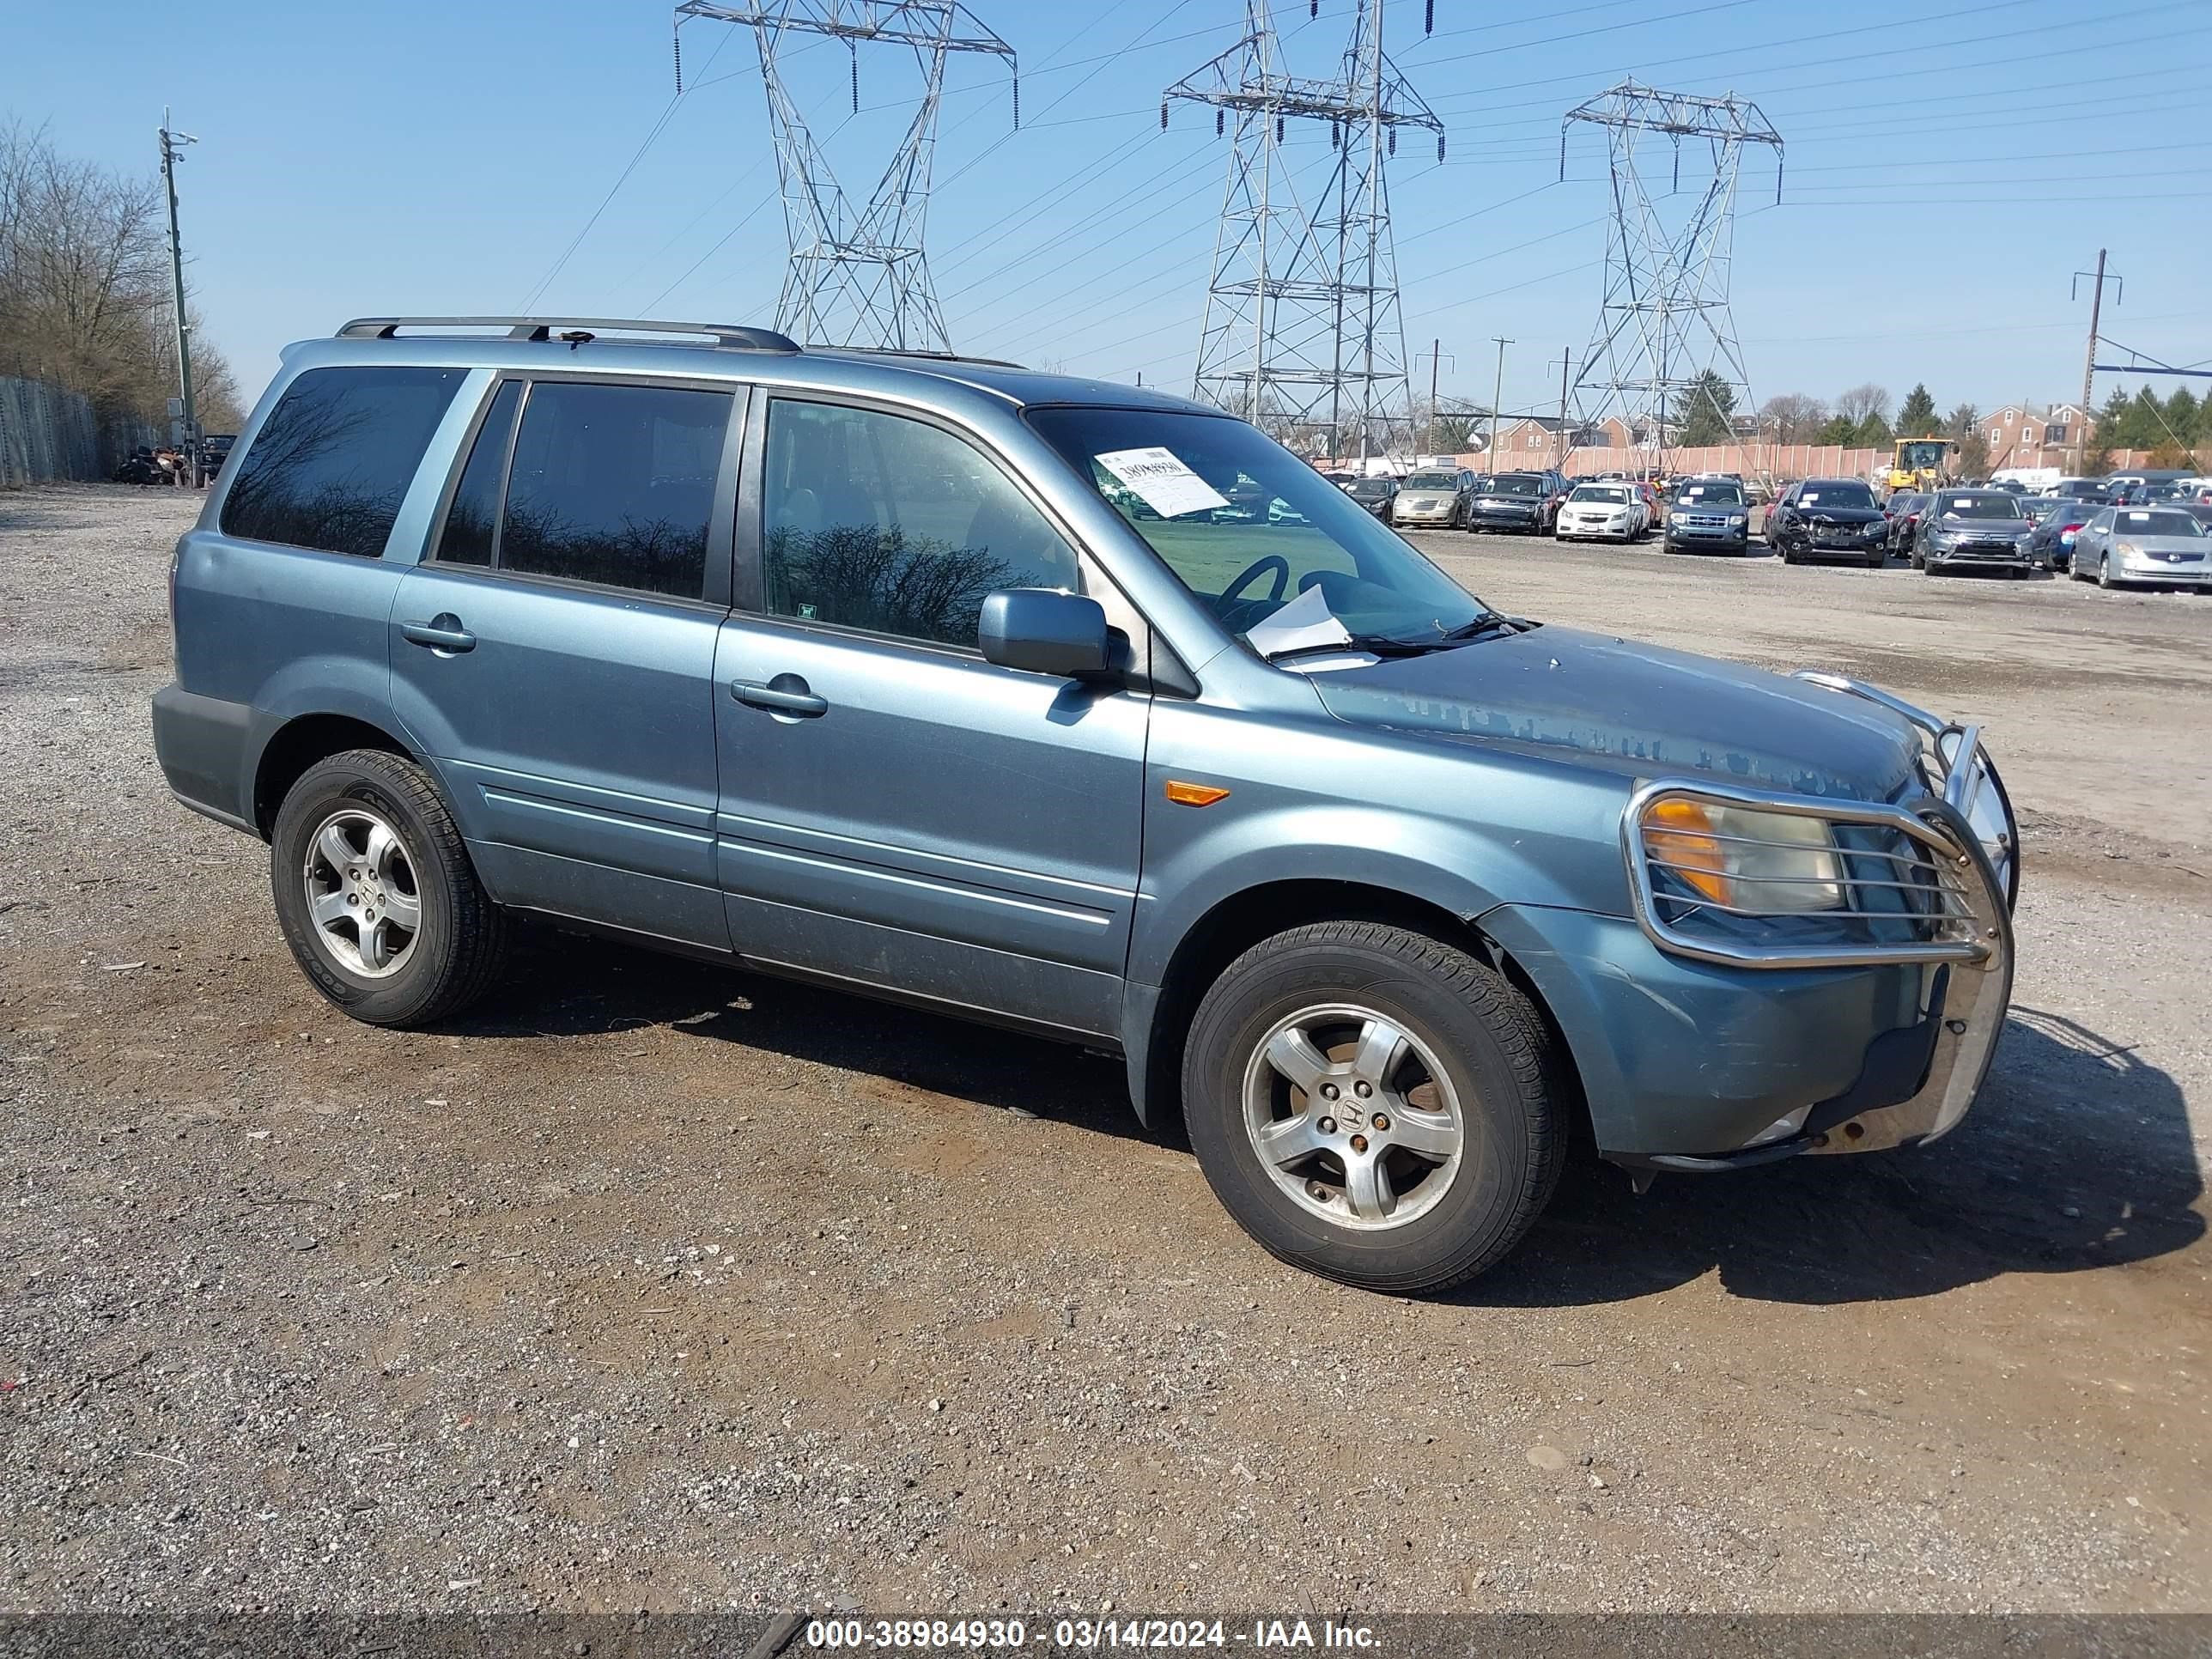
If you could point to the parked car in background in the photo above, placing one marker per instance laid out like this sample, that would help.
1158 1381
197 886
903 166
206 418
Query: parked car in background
2052 544
2083 489
1972 529
1384 897
214 450
2144 546
1903 511
1709 515
1600 512
1828 519
1376 494
2200 511
1513 500
1434 498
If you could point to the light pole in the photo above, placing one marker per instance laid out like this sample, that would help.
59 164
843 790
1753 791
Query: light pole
1497 391
170 144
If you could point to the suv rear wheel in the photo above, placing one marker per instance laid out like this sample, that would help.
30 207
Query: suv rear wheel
376 894
1371 1104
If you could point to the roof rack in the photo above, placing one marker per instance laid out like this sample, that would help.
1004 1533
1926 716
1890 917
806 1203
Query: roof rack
574 330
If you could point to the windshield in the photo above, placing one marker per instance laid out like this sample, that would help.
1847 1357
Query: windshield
2155 524
1170 475
1709 495
1835 494
1433 481
1997 506
1514 484
1613 492
1926 452
1374 487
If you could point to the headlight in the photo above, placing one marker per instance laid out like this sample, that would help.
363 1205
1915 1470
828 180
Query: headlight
1737 520
2126 550
1745 859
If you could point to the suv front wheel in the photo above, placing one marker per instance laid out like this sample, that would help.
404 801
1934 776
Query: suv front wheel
376 894
1371 1104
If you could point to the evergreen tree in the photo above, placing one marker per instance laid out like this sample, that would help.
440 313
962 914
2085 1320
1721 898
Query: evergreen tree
1915 417
1838 429
1706 405
2112 421
1872 432
2183 414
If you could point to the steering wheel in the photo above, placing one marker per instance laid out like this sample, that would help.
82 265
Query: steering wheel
1274 561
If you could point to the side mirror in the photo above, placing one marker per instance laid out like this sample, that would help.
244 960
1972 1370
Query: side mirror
1041 630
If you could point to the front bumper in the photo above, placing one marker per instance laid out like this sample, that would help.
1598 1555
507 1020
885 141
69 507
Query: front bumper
1597 530
1503 518
1446 514
1987 557
2157 573
1704 1051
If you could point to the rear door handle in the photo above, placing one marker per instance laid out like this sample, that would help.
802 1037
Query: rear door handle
443 632
788 694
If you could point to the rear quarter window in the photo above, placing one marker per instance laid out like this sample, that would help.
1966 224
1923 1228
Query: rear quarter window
332 462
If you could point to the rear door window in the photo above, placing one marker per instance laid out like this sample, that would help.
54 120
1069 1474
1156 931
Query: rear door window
332 464
614 484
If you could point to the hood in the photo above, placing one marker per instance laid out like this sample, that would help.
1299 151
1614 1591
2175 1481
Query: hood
1842 514
1640 709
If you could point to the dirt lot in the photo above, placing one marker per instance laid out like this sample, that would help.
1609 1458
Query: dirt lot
655 1286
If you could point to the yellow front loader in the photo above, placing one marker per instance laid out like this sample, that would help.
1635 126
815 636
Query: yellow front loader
1922 464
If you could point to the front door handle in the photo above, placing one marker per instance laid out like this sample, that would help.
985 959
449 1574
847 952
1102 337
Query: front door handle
443 632
786 694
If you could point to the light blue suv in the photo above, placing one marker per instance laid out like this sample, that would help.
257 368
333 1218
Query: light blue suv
1071 706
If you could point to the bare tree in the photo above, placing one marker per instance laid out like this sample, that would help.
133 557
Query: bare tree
84 282
1794 417
1862 405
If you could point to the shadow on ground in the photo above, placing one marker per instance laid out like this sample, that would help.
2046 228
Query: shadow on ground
2078 1156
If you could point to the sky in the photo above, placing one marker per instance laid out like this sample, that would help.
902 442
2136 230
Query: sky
1948 168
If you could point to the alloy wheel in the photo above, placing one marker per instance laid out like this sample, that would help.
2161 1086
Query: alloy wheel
1353 1116
362 894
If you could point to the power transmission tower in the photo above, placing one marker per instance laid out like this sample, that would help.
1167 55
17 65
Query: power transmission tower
1303 329
1664 335
858 277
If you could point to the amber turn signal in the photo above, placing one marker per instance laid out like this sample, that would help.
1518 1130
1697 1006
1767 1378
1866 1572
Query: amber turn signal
1680 832
1195 794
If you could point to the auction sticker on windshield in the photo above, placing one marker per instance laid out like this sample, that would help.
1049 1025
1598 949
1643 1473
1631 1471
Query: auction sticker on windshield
1162 482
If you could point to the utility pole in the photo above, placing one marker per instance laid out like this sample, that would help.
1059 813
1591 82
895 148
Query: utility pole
1497 391
170 144
1436 353
1566 362
2089 358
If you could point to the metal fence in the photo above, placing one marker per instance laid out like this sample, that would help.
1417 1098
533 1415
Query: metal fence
49 435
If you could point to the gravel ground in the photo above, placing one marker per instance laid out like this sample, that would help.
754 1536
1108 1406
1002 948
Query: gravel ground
655 1286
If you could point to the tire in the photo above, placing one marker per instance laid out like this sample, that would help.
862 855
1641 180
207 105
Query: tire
2105 571
1475 1039
1788 555
458 946
1876 560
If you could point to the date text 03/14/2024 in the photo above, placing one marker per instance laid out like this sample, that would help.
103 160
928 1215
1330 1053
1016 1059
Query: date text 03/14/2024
928 1635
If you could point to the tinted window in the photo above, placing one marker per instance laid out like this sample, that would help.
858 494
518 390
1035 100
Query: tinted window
2157 524
1514 484
1835 493
474 515
879 522
615 484
332 462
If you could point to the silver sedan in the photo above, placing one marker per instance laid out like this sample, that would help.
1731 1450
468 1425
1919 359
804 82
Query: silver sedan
2152 546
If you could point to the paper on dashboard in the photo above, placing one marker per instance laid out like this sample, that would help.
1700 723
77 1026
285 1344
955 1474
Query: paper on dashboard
1305 620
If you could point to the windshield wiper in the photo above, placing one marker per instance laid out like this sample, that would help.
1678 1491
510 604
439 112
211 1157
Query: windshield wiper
1375 645
1482 626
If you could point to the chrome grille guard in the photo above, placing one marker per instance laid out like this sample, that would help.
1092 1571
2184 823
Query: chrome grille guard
1961 844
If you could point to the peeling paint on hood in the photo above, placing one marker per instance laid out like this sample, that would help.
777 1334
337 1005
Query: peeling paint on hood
1659 710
